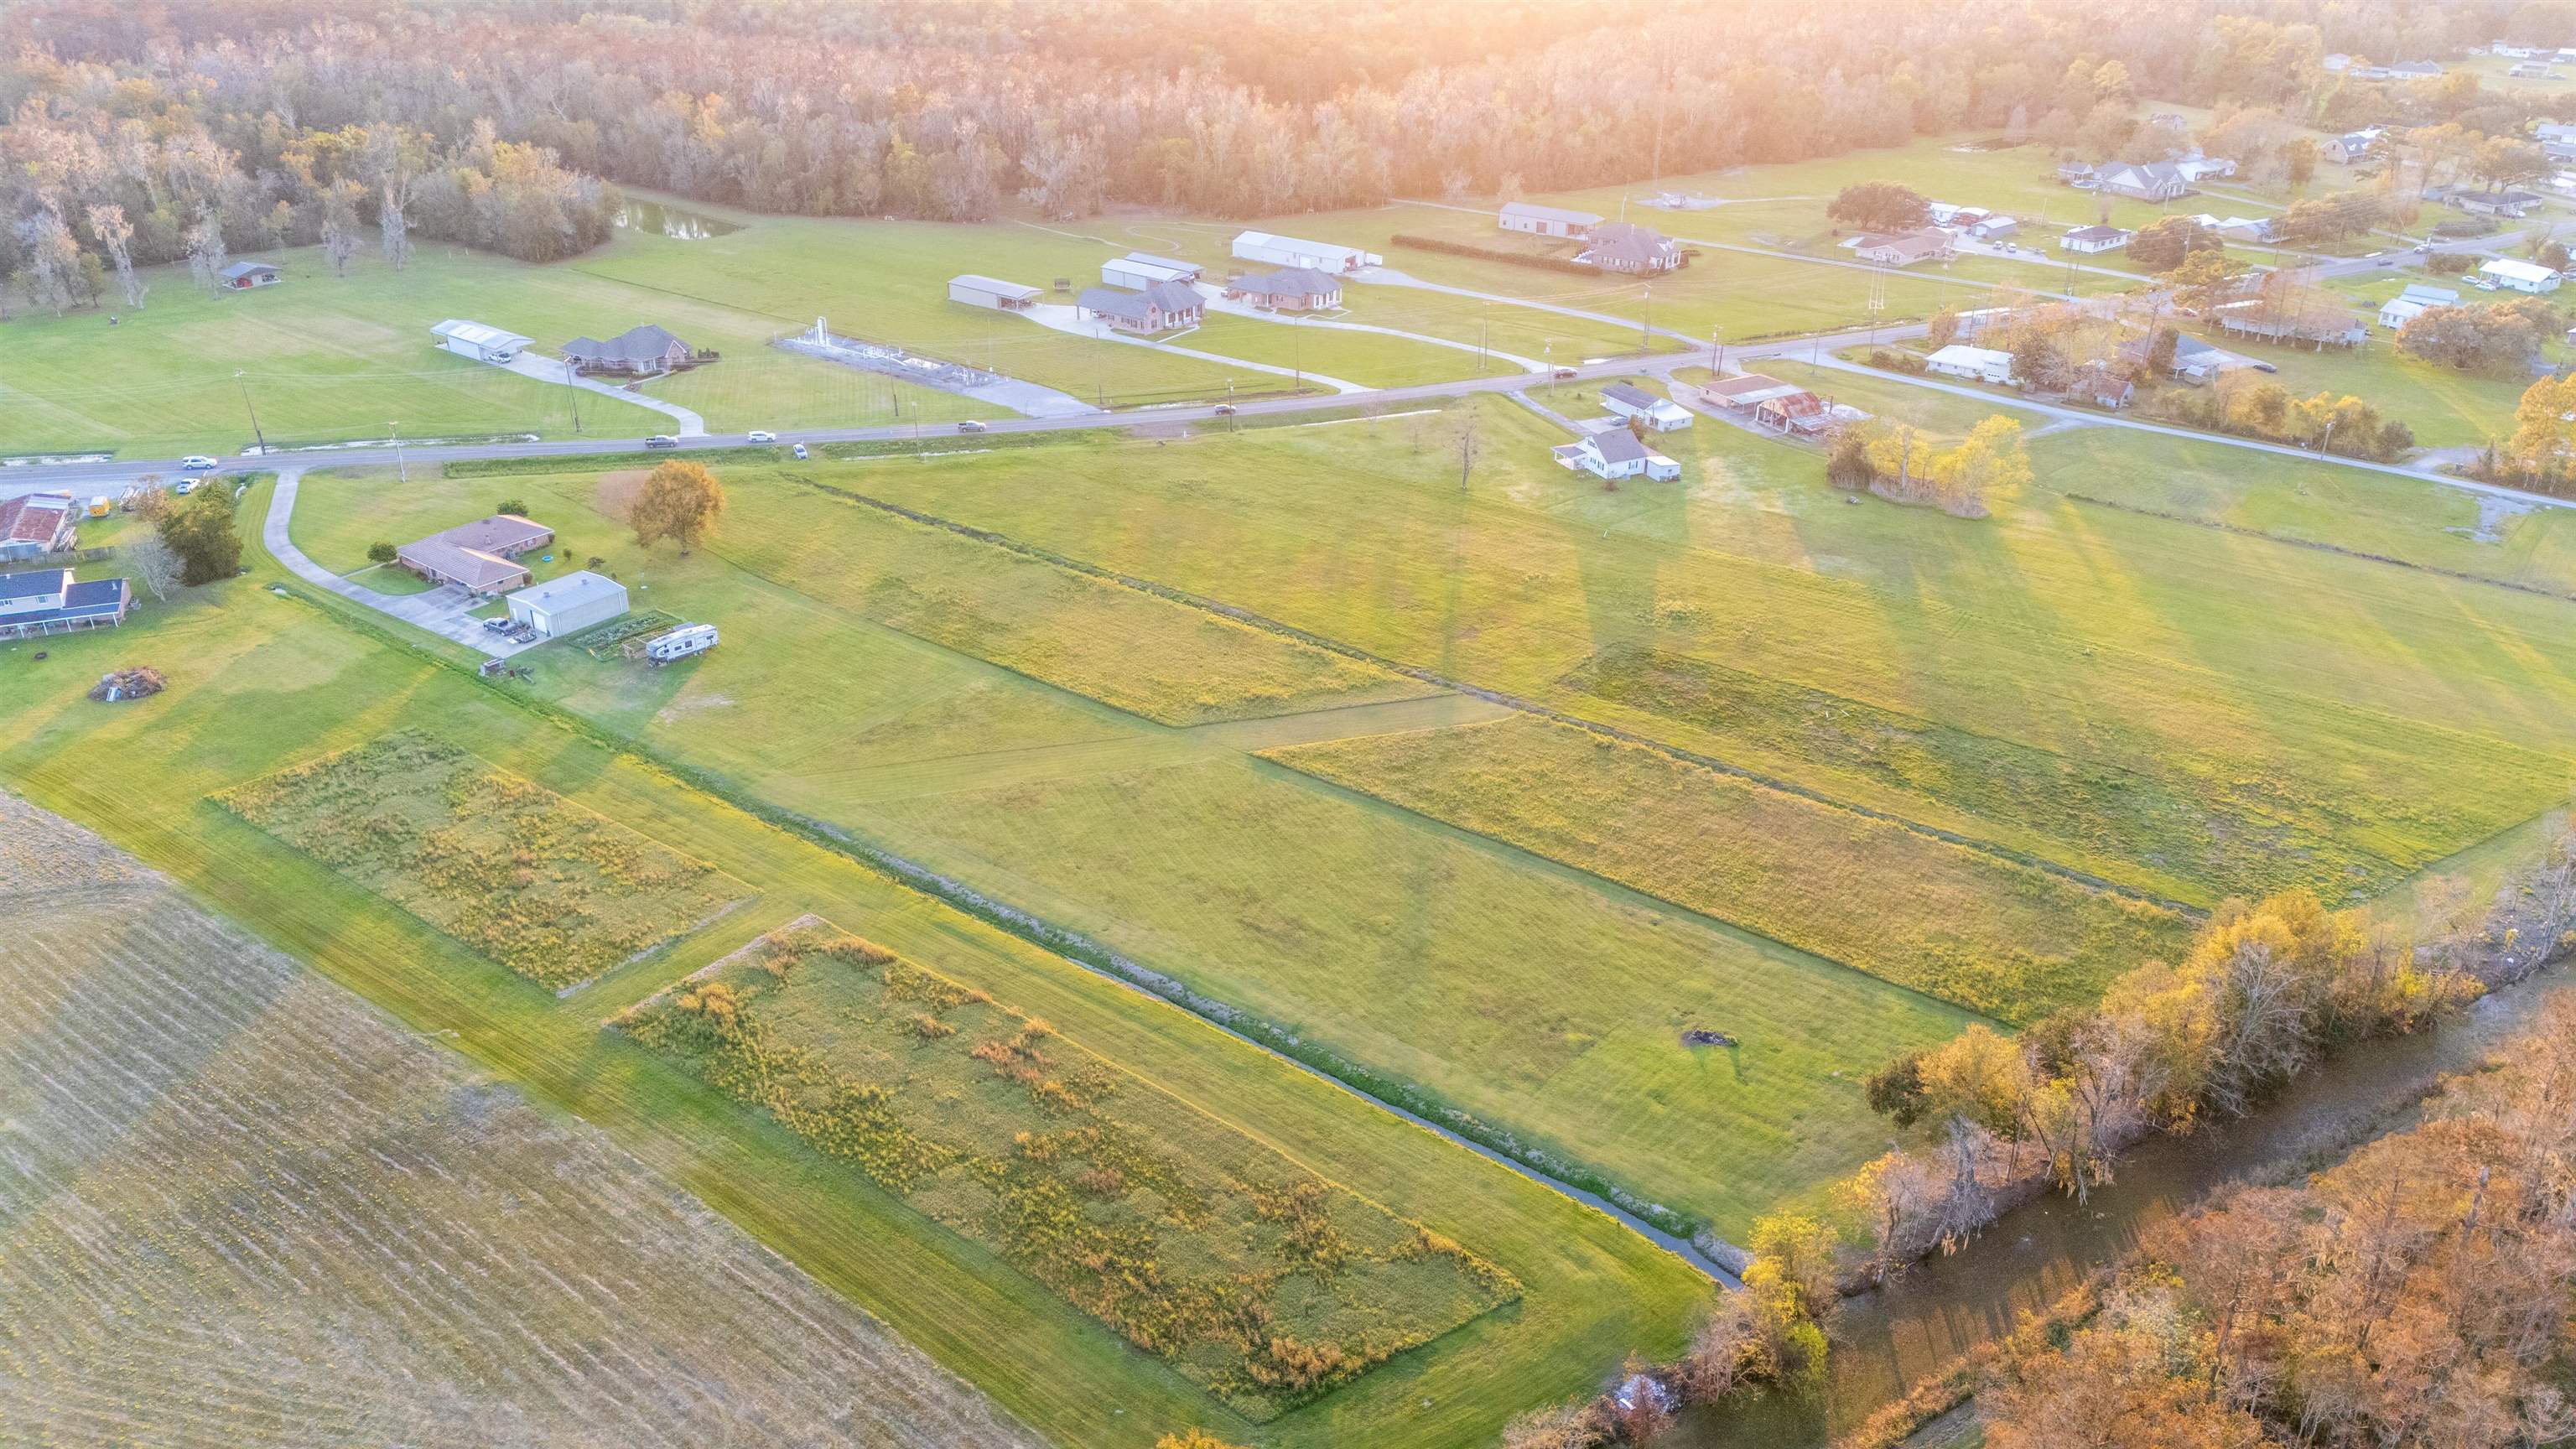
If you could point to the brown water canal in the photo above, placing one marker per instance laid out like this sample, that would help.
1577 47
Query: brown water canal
2033 1254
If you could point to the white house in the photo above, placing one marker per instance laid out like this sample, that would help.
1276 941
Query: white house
2418 298
982 291
1661 414
2519 276
2094 239
1138 270
1615 453
1555 221
1288 251
569 604
474 340
1976 364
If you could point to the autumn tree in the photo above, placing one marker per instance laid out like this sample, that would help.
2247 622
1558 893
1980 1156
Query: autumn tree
1880 206
200 531
1943 329
114 232
1192 1438
2543 446
680 501
2168 242
206 254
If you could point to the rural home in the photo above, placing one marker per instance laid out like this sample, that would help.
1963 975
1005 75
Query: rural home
2196 169
2505 201
1661 414
1615 453
2517 276
635 351
1554 221
2532 70
569 604
242 276
1976 364
2101 385
39 523
2151 181
2418 298
2352 146
480 557
48 601
2554 132
1159 308
1624 247
1287 251
981 291
2194 361
1744 393
1989 228
1289 289
2095 239
1905 249
1138 270
477 341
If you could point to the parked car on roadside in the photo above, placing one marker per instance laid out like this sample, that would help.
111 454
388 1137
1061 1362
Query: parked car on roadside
800 450
186 487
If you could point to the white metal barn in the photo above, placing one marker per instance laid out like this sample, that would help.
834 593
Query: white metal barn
1137 271
1287 251
569 604
477 341
1546 220
680 643
993 292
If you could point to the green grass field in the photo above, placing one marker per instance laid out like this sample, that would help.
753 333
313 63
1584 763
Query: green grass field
1197 1243
1995 937
319 678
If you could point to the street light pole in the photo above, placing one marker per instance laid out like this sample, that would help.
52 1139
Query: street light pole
401 469
259 437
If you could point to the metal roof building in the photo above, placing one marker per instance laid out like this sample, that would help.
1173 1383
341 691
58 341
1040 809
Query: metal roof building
569 604
475 340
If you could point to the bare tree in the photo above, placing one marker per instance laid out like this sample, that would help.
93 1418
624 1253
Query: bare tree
155 564
206 254
340 226
113 231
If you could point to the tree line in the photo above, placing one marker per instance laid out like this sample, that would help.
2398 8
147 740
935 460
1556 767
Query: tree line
491 122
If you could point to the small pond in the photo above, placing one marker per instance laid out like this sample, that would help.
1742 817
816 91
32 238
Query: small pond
677 223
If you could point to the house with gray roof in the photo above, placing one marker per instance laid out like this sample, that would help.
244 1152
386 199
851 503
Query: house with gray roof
481 557
1621 246
2142 181
51 601
242 276
1289 289
635 352
1158 308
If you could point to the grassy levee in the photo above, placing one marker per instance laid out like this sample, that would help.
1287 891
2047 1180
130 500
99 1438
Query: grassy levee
1998 938
313 678
2404 714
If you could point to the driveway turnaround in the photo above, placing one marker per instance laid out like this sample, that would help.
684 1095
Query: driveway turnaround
446 611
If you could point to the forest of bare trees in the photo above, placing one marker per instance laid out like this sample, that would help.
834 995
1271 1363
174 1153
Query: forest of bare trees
304 121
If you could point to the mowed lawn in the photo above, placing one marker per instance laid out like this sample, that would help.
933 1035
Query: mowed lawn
317 677
1531 997
2401 714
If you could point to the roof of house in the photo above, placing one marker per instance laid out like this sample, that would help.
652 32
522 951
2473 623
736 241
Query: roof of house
239 270
34 584
35 518
98 598
1618 445
636 344
2135 173
1799 404
2430 296
2095 233
1288 282
473 553
1911 246
1633 396
1626 241
995 285
1964 355
1550 213
478 334
2512 270
1168 297
581 586
1746 390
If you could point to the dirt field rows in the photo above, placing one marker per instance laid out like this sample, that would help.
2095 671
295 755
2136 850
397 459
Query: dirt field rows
238 1207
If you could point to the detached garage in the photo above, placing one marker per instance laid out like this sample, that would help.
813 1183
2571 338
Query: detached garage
474 340
569 604
993 292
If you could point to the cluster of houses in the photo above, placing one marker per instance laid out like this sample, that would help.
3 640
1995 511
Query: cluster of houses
1773 405
1937 242
1146 294
1611 448
638 352
1612 246
50 600
2157 181
2417 299
483 558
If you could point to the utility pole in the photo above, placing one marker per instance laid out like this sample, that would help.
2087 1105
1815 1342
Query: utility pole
1484 319
401 468
572 378
256 434
1646 322
1717 352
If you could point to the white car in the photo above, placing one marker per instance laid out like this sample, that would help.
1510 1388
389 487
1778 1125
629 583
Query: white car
186 487
759 435
196 462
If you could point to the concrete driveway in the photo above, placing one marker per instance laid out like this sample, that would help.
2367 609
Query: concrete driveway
447 611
